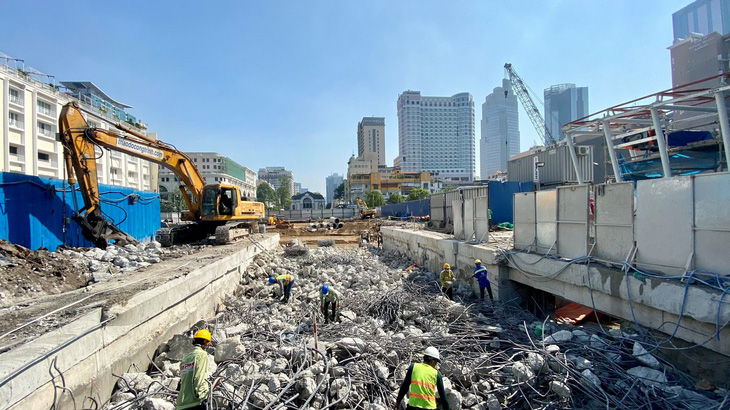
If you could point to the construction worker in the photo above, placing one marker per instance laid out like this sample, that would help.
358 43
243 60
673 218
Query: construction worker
193 374
447 281
285 282
480 272
328 297
424 380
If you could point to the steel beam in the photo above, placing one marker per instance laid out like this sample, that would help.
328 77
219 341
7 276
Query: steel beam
661 143
574 157
612 152
724 127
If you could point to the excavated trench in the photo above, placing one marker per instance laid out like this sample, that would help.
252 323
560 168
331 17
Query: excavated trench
268 355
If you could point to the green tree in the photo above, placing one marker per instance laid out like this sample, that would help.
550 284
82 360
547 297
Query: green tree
284 193
418 193
374 198
340 191
395 198
266 194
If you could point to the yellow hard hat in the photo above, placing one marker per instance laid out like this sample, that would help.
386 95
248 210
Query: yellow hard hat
447 266
478 262
202 334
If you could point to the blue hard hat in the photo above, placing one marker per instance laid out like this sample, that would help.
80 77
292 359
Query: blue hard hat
325 289
271 280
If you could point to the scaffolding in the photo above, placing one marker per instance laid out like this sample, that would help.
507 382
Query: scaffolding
648 120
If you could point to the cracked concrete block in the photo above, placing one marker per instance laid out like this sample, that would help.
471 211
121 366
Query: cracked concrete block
645 357
647 375
229 349
558 337
178 347
306 387
351 345
137 382
234 372
536 362
591 378
157 404
279 365
522 372
560 388
493 402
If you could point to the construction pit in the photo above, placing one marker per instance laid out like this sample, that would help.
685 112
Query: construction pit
117 343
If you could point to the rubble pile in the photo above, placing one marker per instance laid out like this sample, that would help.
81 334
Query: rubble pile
27 273
268 355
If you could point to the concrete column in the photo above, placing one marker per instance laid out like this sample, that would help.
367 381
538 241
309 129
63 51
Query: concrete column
661 143
611 151
724 127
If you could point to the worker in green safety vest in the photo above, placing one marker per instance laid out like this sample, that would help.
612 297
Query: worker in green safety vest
193 374
422 381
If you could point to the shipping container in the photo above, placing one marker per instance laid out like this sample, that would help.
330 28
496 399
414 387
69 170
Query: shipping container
557 166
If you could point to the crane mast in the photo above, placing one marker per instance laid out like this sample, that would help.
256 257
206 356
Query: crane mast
537 121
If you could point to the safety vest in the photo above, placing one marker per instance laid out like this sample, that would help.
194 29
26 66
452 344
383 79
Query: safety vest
423 386
285 278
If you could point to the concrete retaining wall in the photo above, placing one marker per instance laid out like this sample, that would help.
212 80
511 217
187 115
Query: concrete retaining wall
656 304
91 349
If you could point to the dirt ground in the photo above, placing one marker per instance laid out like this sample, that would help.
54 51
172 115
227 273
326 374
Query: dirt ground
348 236
68 292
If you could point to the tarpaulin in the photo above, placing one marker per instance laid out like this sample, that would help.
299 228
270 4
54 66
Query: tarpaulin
574 313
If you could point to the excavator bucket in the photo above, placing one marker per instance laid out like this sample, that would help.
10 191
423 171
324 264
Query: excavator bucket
100 231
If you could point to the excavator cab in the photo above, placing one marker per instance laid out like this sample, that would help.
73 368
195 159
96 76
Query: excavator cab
219 200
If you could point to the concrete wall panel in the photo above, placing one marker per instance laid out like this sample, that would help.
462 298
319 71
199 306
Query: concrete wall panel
614 220
712 223
546 211
664 224
481 219
524 204
457 206
573 221
468 219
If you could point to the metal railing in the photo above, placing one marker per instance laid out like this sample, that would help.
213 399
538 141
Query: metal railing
44 132
16 124
16 99
46 111
53 163
17 157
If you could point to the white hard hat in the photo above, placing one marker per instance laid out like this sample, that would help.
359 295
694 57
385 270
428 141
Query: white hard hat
432 352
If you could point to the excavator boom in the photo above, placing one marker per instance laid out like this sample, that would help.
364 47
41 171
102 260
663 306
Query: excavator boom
223 204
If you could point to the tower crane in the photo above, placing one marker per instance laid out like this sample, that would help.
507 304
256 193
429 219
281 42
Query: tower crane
537 121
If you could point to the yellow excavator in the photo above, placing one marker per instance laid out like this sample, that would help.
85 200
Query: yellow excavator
214 209
365 212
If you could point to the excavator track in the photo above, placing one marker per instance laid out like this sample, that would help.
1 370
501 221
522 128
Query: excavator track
233 231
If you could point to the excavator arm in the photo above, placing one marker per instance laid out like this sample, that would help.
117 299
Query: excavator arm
79 142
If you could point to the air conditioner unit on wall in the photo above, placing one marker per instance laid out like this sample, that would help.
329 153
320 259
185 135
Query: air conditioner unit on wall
582 150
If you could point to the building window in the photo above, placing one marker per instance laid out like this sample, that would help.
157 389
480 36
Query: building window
42 156
45 108
15 97
13 150
44 129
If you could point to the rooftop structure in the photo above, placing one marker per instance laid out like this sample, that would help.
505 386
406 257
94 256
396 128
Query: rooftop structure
371 137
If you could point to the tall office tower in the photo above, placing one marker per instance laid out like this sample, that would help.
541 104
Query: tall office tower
272 175
371 137
500 130
564 103
702 17
436 134
333 181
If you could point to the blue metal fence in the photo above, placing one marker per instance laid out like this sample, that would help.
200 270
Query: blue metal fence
411 208
500 199
35 212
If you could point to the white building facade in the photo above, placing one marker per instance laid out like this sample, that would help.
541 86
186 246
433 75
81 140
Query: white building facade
215 168
272 175
29 122
500 130
437 134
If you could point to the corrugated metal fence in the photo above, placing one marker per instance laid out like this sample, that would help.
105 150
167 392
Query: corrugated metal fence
33 211
500 201
421 207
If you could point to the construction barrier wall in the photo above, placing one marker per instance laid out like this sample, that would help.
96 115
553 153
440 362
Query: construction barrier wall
500 201
36 212
419 208
668 225
315 214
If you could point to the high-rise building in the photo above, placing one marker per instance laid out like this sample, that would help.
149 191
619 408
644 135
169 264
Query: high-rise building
29 121
272 175
333 181
564 103
702 17
215 168
371 137
436 134
500 130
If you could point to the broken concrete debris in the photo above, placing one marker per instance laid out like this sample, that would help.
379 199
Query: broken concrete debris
266 355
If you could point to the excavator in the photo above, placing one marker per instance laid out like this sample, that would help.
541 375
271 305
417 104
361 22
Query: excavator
213 209
365 212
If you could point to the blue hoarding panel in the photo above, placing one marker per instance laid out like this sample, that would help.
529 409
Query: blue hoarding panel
421 207
500 199
33 211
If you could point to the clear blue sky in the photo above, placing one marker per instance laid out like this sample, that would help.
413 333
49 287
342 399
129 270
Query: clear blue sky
285 83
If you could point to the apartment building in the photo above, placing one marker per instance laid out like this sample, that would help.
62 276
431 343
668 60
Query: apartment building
389 181
29 122
437 134
215 168
332 182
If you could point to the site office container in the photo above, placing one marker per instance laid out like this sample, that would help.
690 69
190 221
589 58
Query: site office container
557 169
